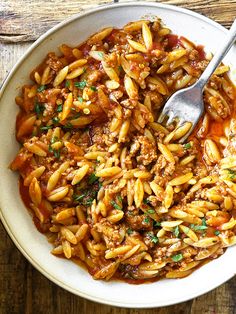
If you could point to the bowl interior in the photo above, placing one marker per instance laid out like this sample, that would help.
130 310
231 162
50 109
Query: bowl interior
13 213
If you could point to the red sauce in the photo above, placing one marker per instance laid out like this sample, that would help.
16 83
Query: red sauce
24 193
216 128
201 52
173 41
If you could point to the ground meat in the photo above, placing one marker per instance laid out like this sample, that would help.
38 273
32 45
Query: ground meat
54 63
138 222
156 99
112 234
147 151
97 135
93 77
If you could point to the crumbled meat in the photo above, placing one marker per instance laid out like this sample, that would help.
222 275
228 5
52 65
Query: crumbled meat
138 222
94 77
54 62
147 150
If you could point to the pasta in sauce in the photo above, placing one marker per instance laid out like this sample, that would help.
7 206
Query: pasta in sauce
106 183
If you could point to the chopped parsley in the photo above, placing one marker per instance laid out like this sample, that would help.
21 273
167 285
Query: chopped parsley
101 54
54 139
93 88
78 198
67 84
129 231
119 198
198 228
83 199
92 178
76 116
68 125
86 196
204 222
156 224
59 108
41 88
46 127
187 145
81 84
120 68
80 99
115 205
146 220
56 153
217 232
153 238
151 211
39 108
232 173
177 257
146 201
55 120
176 231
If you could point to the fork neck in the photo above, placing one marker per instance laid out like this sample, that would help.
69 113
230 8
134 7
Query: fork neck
219 55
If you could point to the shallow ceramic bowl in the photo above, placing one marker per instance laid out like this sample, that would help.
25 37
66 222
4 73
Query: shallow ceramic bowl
15 217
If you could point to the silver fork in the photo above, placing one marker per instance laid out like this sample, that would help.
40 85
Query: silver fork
186 105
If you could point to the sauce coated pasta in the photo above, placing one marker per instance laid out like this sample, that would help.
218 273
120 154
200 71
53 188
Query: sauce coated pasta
106 183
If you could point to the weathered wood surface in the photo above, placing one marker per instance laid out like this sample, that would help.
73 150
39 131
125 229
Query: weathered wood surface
22 288
25 20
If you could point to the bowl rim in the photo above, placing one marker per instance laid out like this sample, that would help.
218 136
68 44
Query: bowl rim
99 8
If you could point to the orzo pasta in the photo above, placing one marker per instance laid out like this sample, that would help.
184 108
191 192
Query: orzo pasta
106 183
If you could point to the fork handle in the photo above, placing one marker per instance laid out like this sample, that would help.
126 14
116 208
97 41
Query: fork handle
216 60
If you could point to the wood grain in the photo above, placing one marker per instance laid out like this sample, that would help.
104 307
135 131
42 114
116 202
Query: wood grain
26 20
22 288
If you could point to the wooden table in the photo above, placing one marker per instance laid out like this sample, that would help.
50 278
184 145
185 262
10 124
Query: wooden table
22 288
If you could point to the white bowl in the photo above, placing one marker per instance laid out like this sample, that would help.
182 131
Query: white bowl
15 217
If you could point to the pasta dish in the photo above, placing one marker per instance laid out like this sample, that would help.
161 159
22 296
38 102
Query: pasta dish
108 185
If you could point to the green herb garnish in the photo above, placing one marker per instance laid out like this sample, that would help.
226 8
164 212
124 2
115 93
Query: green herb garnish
59 108
217 232
92 178
153 238
39 108
119 68
187 145
81 84
80 99
93 88
68 125
232 173
129 231
176 231
101 54
146 201
119 198
55 120
54 139
78 198
204 222
177 257
41 88
115 205
56 153
198 228
67 84
151 211
146 220
76 116
156 224
46 127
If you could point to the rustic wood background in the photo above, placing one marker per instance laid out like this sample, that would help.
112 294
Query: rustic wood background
22 288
